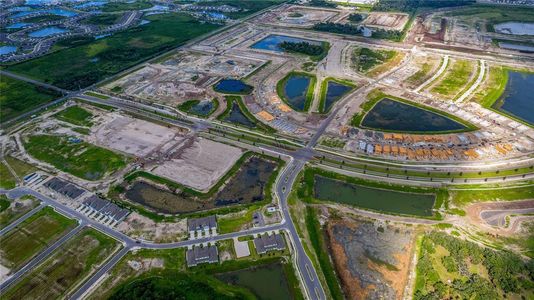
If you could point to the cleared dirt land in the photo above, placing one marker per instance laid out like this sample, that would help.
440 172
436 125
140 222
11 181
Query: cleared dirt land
134 136
201 165
371 259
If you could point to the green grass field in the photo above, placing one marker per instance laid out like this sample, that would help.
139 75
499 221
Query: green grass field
464 197
102 20
455 79
366 60
492 88
12 211
20 167
90 61
18 97
122 6
80 159
43 18
23 242
75 115
7 181
70 264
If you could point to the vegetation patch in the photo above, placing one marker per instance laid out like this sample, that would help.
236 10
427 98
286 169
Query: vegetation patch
449 267
365 60
199 108
7 181
467 196
74 156
315 52
20 167
66 268
93 60
37 232
455 79
102 20
319 246
18 97
14 209
75 115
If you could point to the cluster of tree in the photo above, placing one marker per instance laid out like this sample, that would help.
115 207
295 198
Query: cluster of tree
355 18
506 270
392 35
411 5
302 47
321 3
337 28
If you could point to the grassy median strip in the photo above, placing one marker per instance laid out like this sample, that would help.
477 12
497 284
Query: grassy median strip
32 236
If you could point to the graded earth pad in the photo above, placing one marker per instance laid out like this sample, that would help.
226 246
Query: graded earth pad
201 165
372 260
185 76
390 21
134 136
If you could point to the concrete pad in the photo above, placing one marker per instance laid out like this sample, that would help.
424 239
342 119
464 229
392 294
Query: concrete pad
241 248
134 136
201 165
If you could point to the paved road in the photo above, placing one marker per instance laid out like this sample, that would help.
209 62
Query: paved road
39 258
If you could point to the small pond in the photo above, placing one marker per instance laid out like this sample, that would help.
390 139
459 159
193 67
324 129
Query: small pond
7 49
515 28
47 31
334 92
266 282
396 116
232 86
203 108
273 41
517 98
236 116
387 201
295 89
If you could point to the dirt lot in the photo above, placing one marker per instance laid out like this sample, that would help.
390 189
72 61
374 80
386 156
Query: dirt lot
134 136
390 21
201 165
492 215
371 258
143 228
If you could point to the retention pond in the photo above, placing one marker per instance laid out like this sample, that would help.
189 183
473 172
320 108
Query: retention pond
266 282
517 98
391 115
381 200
